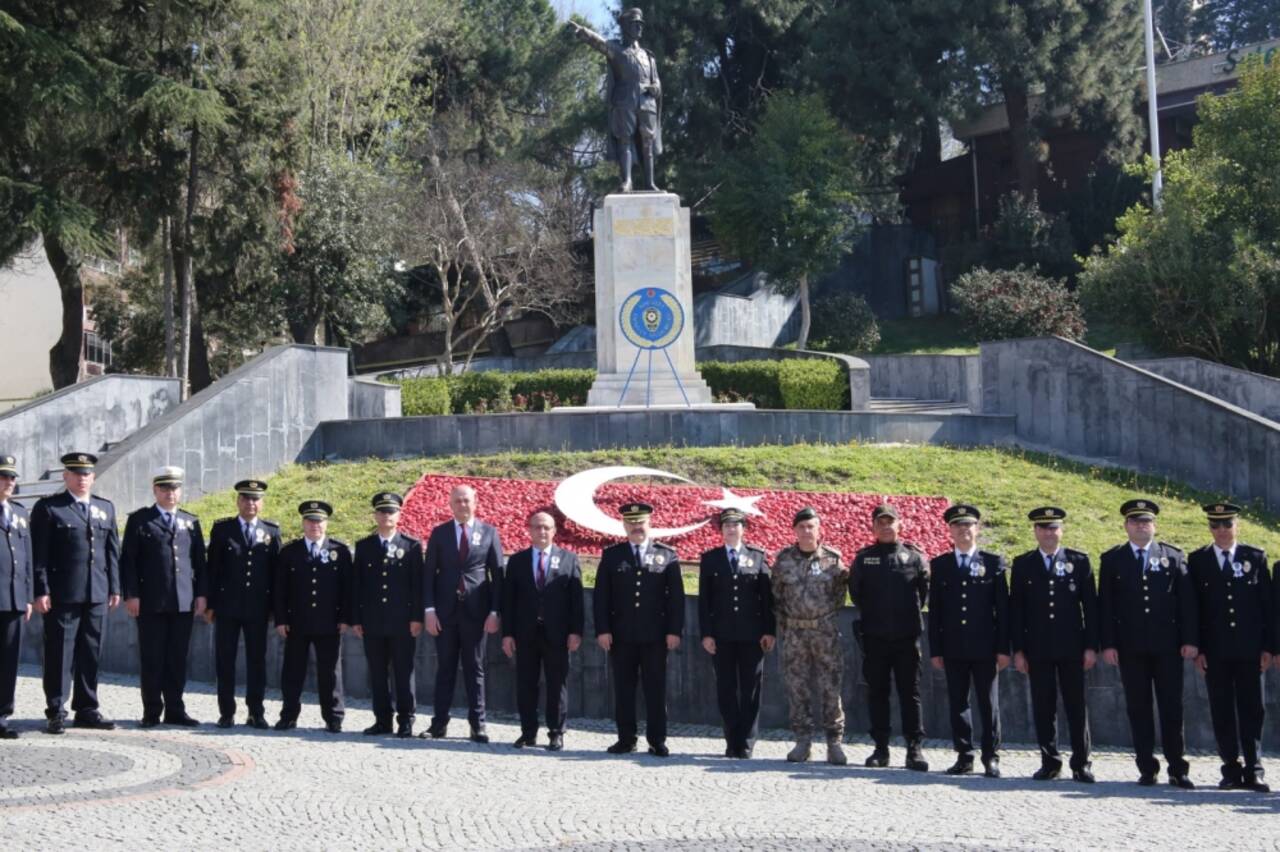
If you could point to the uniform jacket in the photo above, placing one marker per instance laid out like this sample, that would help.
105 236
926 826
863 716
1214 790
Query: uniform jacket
386 586
559 606
481 575
1052 616
735 606
312 595
1146 609
77 558
808 586
639 603
16 580
968 608
889 583
1235 611
163 565
240 574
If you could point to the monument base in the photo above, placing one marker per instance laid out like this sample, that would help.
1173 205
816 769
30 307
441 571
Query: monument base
660 388
597 409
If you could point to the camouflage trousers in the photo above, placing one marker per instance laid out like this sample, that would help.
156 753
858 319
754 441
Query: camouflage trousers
812 655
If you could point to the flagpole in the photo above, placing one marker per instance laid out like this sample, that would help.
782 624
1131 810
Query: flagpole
1153 117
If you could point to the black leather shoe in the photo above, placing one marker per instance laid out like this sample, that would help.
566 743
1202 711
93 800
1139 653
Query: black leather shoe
7 733
96 723
1084 776
991 768
260 722
149 721
226 721
1047 773
286 724
1147 780
404 730
435 732
915 761
1182 782
377 728
1252 783
1230 784
183 720
745 752
525 740
660 750
556 743
333 726
55 726
479 734
961 767
878 759
622 747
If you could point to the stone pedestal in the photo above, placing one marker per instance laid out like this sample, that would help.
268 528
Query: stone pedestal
642 246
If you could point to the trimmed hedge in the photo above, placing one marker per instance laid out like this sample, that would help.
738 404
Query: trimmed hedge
813 384
744 381
419 397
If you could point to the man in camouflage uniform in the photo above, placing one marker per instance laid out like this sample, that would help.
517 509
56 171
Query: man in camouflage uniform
809 586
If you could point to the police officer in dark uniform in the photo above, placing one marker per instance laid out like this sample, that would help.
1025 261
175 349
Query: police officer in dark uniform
386 613
76 548
162 573
1233 593
969 635
639 613
1053 622
1148 624
241 567
312 610
889 583
15 587
736 619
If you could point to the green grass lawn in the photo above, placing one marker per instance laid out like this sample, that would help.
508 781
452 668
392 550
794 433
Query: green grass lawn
944 335
1005 484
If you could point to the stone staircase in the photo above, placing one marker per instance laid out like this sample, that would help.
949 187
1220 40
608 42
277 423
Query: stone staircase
914 405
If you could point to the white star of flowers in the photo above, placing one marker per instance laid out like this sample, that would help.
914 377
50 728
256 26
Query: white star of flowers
746 505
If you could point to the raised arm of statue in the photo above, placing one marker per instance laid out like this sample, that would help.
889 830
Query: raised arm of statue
589 37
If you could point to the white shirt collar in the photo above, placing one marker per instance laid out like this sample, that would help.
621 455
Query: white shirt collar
1231 554
1135 548
970 553
1051 556
386 541
313 546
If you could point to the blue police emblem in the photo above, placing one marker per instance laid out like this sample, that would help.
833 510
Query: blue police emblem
651 318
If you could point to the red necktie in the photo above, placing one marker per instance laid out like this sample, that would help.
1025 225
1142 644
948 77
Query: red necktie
464 550
542 569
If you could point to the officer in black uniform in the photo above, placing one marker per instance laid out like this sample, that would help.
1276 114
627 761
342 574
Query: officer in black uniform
969 635
1233 593
162 573
15 587
386 613
1148 624
1053 623
241 566
736 619
312 610
76 548
639 612
889 583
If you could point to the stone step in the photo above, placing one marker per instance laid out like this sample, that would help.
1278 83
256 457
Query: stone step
910 405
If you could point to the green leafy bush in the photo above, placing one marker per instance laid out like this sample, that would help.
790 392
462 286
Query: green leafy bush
568 387
843 323
744 381
480 392
421 397
998 304
813 383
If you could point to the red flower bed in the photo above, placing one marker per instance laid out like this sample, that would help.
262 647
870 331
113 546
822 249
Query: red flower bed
507 504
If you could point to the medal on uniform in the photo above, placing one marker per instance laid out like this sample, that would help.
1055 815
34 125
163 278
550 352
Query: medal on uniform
1072 585
21 523
903 556
399 553
475 538
1164 561
659 559
260 535
555 562
1061 568
648 559
815 568
1155 564
978 570
324 556
1237 569
747 563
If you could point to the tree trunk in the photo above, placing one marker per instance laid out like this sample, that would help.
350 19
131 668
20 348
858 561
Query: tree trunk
199 370
930 142
170 342
806 315
1026 159
186 288
66 355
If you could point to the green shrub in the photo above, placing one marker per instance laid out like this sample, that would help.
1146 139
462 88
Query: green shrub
813 383
421 397
843 323
749 381
543 389
480 392
1004 303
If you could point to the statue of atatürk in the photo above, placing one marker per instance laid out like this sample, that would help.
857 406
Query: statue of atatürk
634 96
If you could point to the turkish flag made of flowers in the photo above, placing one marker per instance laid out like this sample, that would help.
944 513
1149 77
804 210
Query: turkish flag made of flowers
508 503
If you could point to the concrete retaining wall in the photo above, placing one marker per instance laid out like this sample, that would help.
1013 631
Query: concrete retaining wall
251 421
86 416
1250 391
690 684
1069 399
951 377
747 312
371 398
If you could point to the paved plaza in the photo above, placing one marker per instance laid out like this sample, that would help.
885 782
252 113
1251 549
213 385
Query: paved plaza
171 788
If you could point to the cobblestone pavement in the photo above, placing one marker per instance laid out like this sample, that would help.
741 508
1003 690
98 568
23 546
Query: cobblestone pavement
167 787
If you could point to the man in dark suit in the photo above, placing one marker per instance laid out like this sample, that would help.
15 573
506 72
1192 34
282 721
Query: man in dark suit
241 566
1053 624
969 635
386 613
312 610
1148 623
15 588
162 573
639 612
76 548
736 620
462 593
1233 593
542 623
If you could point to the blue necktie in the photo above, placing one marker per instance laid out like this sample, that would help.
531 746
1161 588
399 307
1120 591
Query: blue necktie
1142 559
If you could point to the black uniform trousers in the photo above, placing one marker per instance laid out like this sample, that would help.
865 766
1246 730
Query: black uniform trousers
464 641
534 658
1235 705
982 675
226 637
647 663
163 640
10 651
739 668
72 648
1141 674
293 674
899 659
390 658
1047 678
